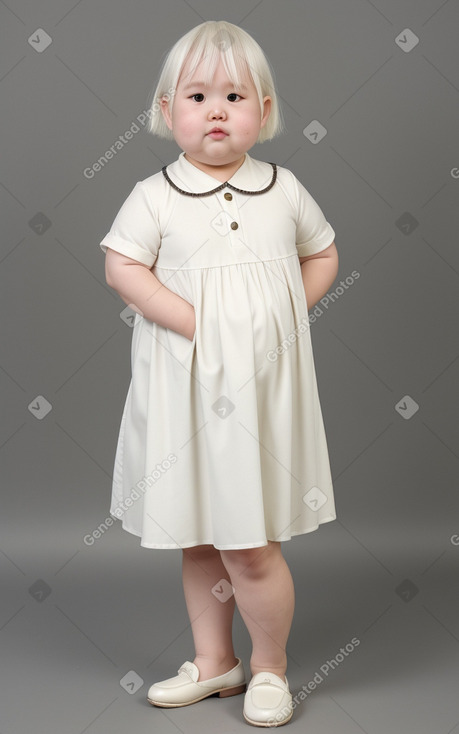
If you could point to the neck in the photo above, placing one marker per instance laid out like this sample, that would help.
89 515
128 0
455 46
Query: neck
221 172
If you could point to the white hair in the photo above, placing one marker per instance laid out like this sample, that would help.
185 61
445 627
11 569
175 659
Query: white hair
240 54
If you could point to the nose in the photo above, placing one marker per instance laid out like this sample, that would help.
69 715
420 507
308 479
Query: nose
216 112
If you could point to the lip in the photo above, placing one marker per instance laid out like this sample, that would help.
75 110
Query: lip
217 132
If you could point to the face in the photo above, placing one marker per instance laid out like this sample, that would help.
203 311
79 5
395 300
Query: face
198 109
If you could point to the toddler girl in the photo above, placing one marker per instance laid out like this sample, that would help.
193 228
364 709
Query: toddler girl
222 451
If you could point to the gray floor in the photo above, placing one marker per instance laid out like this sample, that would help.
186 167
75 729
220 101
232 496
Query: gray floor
83 620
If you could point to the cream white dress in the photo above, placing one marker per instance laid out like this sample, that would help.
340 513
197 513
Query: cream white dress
222 438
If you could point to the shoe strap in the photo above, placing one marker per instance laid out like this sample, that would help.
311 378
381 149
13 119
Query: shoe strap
267 677
190 669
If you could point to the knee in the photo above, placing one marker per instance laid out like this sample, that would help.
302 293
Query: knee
251 562
200 551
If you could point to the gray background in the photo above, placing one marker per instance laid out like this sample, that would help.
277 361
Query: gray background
76 619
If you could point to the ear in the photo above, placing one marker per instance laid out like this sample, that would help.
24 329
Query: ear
266 110
166 113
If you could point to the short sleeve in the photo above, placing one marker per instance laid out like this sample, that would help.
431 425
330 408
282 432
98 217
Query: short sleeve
313 232
135 230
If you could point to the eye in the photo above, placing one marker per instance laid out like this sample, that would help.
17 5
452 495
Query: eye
230 97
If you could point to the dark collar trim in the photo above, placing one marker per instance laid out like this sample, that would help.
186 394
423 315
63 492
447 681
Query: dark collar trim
219 188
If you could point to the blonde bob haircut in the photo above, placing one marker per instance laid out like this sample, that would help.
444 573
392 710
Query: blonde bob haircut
241 56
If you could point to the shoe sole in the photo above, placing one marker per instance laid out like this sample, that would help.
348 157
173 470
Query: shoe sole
265 723
220 692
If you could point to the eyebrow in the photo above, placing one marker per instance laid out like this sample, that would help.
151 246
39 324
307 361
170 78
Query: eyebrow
202 84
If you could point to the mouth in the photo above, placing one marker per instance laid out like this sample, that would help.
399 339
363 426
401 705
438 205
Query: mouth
217 132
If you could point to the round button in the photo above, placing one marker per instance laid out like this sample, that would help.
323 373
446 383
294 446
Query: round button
228 196
234 225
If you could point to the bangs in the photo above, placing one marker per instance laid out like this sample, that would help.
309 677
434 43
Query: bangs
209 49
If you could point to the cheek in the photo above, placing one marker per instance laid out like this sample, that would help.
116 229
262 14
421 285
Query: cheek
249 129
185 122
187 128
250 124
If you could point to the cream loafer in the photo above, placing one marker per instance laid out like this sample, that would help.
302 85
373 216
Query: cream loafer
267 701
185 688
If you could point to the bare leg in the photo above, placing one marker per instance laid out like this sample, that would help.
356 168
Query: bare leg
265 597
211 619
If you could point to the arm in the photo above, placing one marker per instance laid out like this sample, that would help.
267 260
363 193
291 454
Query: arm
138 286
319 272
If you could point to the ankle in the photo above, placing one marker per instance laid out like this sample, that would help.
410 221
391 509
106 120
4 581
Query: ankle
212 666
216 659
279 670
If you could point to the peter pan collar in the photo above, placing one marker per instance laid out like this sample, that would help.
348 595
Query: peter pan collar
252 177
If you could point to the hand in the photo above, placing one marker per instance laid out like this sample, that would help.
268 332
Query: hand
190 327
